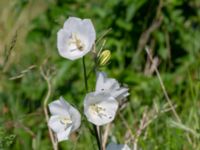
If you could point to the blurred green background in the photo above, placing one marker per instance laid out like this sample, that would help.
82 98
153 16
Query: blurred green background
171 28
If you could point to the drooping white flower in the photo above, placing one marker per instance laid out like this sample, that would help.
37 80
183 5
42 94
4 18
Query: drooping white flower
100 108
111 86
113 146
76 38
64 120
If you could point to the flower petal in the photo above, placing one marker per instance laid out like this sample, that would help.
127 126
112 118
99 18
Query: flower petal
62 37
104 83
64 135
88 30
106 104
55 124
110 108
65 119
57 108
76 118
120 93
84 31
73 113
65 50
111 86
100 81
72 24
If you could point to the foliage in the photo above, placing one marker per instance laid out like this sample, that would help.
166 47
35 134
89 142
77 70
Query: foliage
28 38
5 140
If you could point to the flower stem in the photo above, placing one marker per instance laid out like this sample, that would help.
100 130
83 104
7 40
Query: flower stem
85 74
97 134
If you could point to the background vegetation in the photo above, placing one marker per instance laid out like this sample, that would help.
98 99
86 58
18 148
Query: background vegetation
171 28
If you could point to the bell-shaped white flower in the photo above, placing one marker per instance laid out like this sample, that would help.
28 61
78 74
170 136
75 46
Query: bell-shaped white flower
76 38
100 108
113 146
111 86
64 120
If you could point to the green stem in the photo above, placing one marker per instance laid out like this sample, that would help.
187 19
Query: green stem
85 74
97 135
98 138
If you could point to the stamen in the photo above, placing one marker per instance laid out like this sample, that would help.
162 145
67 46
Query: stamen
77 42
100 111
65 121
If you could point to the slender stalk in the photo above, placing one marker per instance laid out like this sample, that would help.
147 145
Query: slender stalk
163 88
166 94
100 136
105 135
53 140
85 74
97 135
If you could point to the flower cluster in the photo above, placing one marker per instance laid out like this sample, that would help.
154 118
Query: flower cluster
74 40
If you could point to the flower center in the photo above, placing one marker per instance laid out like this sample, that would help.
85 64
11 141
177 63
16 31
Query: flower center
100 111
74 40
65 121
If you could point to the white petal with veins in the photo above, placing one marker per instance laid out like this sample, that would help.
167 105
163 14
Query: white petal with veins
61 136
100 108
76 38
55 123
64 120
111 86
57 108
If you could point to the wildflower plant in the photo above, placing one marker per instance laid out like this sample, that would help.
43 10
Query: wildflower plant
74 41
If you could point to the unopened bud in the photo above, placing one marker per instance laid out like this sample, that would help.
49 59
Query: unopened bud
104 57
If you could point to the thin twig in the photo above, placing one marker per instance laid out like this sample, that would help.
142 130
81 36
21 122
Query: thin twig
166 95
18 124
27 129
144 38
102 36
8 52
185 128
163 87
100 50
47 79
168 46
146 120
126 124
23 72
105 135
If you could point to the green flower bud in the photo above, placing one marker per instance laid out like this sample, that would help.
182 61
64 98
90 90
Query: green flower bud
104 57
